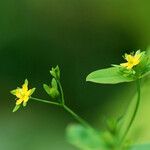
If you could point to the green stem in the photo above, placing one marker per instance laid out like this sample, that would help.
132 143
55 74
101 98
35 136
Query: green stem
84 123
135 111
62 93
62 104
45 101
79 119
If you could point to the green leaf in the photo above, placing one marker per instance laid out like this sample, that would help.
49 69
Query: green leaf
111 75
46 88
16 108
141 147
84 138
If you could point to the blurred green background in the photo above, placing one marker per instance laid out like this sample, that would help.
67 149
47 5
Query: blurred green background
80 37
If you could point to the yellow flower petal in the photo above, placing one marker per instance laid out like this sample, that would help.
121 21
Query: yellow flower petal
23 94
128 57
132 60
124 64
130 66
19 101
25 86
26 98
18 93
29 92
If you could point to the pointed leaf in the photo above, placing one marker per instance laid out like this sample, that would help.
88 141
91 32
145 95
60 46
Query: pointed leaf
110 75
16 108
46 88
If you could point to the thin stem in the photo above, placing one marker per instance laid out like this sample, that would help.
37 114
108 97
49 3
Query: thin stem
135 111
78 118
84 123
62 93
45 101
62 104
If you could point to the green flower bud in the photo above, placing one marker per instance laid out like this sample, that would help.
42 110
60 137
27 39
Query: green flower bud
54 83
55 72
53 89
54 93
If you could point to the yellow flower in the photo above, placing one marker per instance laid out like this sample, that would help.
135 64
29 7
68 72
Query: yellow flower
23 94
132 60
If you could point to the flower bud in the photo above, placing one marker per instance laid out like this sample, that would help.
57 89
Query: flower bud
54 93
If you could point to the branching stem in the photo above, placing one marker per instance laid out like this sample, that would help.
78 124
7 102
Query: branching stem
63 105
79 119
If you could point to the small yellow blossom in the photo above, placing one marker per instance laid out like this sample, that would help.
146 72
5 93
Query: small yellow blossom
132 60
22 94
